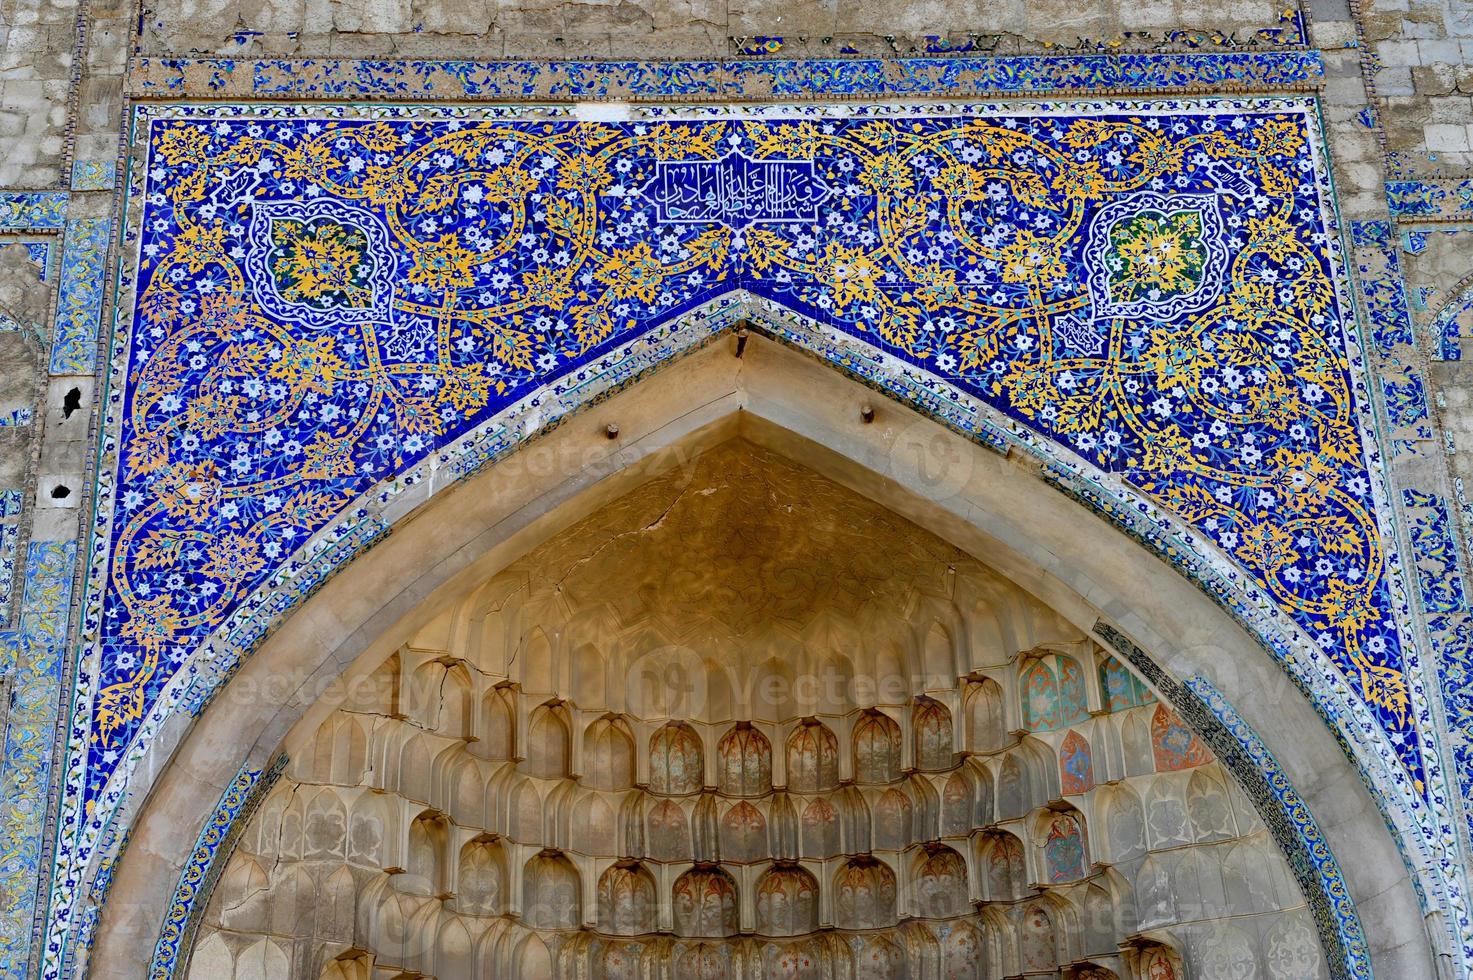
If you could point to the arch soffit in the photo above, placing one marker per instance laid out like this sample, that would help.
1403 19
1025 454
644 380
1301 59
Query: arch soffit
449 536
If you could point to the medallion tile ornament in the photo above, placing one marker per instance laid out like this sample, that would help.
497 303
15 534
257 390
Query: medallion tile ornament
318 299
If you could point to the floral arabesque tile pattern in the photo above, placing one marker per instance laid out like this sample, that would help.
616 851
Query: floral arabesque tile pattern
79 304
33 653
323 301
326 296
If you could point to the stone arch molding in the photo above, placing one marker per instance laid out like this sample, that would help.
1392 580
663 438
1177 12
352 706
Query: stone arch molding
780 399
132 708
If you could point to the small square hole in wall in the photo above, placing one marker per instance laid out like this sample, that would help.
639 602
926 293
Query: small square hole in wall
59 491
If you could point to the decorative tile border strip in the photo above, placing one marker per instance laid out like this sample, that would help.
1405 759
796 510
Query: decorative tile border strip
206 863
1449 617
79 305
1454 322
1441 601
1383 290
10 508
1439 580
34 655
39 210
1238 747
953 77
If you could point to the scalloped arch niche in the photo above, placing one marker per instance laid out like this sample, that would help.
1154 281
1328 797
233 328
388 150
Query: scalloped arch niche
744 722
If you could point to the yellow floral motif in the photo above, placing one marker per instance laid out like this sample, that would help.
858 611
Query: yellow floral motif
506 184
443 264
965 245
1174 359
310 161
1278 137
233 557
584 174
1030 258
1302 480
189 490
849 273
122 703
1251 302
887 173
549 287
1268 547
184 144
156 625
309 364
325 457
319 261
683 142
633 272
418 416
466 389
388 185
203 244
1158 255
1384 687
940 289
379 137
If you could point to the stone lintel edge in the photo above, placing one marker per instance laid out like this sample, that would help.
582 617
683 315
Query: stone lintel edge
1030 75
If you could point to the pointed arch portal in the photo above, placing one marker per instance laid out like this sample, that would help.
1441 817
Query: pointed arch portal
374 355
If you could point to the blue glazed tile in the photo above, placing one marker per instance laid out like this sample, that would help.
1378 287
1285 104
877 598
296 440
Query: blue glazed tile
79 305
32 210
1438 575
35 652
709 216
294 267
93 175
956 75
198 878
1452 323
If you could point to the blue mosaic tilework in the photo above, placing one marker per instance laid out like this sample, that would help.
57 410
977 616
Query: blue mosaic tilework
1452 635
9 540
33 654
1237 746
79 304
36 210
1435 581
1382 286
1406 402
94 175
206 862
400 281
1429 198
40 253
10 509
767 78
1034 291
1440 581
1452 323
